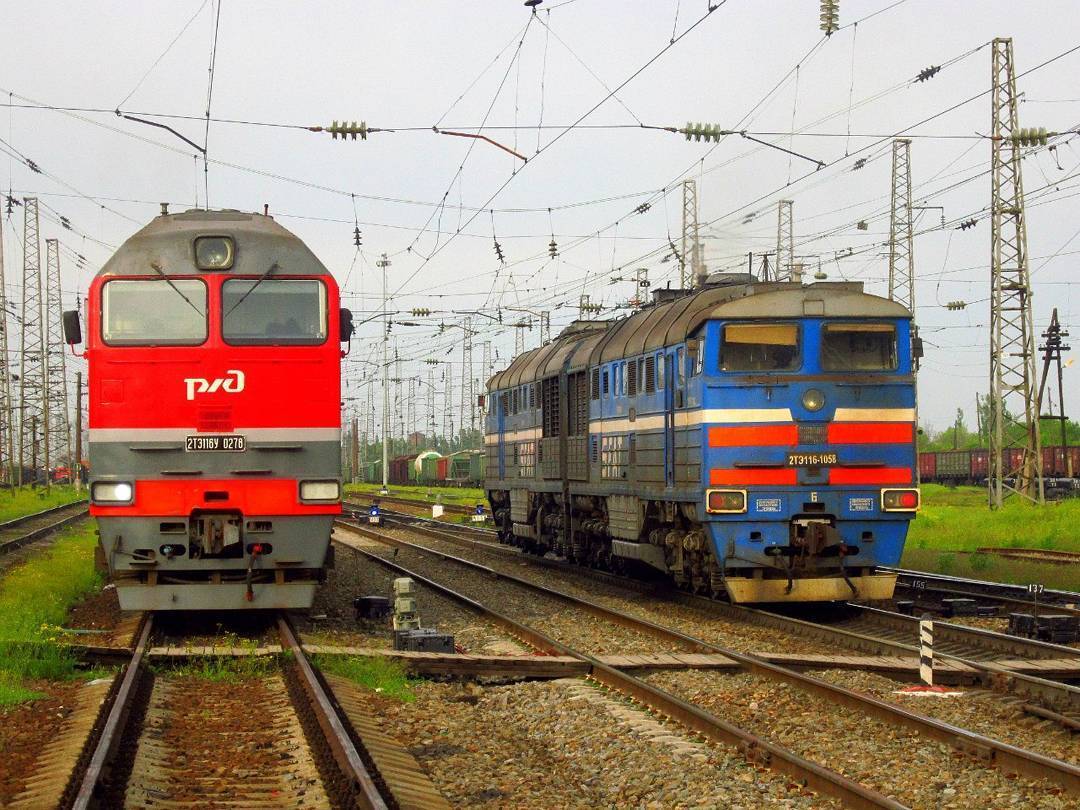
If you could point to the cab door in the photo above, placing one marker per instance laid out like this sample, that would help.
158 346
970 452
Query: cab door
500 427
669 419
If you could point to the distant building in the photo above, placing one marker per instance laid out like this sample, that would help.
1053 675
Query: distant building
417 439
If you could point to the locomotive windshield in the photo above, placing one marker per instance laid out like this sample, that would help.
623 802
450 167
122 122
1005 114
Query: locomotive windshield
153 312
858 347
273 311
760 347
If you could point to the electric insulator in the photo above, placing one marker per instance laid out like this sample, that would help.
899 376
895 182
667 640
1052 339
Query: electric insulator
1031 136
859 164
704 132
421 312
553 248
862 225
344 130
356 236
830 16
33 166
499 252
641 209
928 73
968 223
955 305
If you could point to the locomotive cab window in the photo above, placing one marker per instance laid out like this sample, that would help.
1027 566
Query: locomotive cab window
273 311
759 347
153 312
858 347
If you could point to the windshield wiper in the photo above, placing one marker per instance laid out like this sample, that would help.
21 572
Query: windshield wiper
157 269
259 281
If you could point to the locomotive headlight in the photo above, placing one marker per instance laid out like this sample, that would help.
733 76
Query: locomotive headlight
725 501
214 252
111 492
899 500
813 400
320 491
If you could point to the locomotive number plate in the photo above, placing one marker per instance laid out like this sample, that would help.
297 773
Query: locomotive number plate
216 443
811 459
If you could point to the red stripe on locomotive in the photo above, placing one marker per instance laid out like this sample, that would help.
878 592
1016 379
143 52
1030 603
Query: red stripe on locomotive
749 436
275 496
871 433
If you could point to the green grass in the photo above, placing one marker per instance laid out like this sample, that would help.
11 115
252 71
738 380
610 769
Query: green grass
959 520
954 522
379 674
468 496
19 501
223 668
34 602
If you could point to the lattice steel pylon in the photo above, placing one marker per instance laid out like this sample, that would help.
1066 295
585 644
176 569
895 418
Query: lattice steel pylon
901 253
7 416
1015 443
785 240
33 415
691 265
58 437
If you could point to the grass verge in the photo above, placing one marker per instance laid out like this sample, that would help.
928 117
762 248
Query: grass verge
34 601
20 501
468 496
955 521
379 674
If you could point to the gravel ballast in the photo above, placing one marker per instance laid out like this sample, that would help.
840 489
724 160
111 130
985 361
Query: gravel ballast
566 744
895 761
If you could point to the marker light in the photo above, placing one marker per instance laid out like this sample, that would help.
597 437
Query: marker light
214 252
899 500
320 491
111 492
813 400
721 501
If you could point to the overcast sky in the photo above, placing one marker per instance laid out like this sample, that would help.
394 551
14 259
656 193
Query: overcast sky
458 65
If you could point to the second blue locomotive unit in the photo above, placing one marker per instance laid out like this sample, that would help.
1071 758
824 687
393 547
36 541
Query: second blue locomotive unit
753 440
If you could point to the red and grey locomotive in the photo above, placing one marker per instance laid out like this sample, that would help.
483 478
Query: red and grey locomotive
214 413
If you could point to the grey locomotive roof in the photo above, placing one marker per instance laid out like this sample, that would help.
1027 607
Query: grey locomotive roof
169 241
589 343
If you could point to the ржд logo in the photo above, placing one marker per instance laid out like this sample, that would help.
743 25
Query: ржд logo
231 383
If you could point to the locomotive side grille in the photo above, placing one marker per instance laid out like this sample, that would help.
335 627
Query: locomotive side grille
214 419
813 434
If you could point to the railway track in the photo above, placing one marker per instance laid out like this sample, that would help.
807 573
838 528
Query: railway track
858 627
20 531
857 707
929 589
291 738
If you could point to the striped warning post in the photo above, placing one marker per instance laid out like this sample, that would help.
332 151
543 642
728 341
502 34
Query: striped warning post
926 650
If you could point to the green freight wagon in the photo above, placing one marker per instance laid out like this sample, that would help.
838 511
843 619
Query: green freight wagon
428 462
477 467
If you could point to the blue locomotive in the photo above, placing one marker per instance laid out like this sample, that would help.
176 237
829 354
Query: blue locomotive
749 439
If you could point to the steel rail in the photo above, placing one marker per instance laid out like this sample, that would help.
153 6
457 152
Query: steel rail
756 750
1019 590
7 546
1006 756
115 722
337 737
990 675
